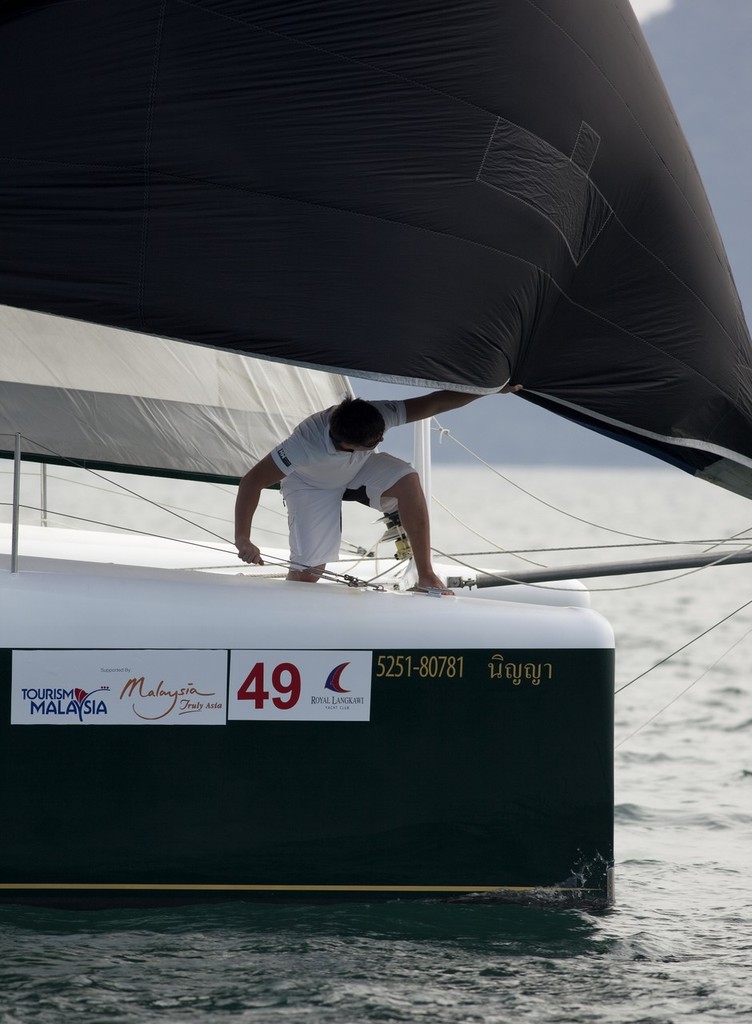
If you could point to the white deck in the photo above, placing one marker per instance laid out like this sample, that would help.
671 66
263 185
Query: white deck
58 603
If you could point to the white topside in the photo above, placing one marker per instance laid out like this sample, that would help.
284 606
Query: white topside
59 603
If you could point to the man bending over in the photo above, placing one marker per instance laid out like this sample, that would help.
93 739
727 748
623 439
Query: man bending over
333 456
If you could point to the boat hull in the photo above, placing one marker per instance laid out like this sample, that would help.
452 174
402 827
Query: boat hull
349 745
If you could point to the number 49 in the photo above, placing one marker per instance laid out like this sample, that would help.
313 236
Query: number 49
253 687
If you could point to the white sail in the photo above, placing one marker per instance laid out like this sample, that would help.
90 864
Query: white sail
96 395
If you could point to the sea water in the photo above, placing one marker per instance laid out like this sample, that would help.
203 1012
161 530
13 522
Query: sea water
677 945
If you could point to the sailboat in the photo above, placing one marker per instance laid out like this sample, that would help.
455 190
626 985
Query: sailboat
211 203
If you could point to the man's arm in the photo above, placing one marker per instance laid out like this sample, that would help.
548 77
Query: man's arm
264 474
442 401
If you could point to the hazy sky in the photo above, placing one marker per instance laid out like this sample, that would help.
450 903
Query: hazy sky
646 8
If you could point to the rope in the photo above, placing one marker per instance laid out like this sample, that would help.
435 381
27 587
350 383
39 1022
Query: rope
443 431
125 529
644 541
499 551
343 578
685 646
594 547
502 578
685 690
586 522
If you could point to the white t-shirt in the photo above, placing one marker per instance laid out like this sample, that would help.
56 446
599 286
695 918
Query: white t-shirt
309 451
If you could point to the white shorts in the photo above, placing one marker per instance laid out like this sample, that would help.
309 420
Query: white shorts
315 514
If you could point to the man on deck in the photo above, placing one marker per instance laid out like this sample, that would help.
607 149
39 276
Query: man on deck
332 456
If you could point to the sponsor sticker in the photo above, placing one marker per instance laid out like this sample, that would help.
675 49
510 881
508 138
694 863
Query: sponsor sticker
325 686
119 688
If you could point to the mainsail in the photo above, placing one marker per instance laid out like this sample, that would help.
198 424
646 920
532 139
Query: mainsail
438 194
88 395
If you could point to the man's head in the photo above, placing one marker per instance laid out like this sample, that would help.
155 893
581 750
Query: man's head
356 423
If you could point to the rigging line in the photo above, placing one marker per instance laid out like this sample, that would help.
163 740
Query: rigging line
497 575
596 547
192 511
166 506
390 568
110 490
686 645
351 546
499 551
445 432
126 529
224 489
328 574
169 509
323 574
127 490
273 572
685 690
510 578
735 536
633 586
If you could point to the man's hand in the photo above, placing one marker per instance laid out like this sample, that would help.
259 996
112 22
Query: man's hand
263 474
438 402
248 552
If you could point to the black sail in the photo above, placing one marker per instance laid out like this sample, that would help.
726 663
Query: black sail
442 194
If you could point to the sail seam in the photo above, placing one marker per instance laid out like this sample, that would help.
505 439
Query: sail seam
494 249
254 26
441 234
358 62
147 160
637 124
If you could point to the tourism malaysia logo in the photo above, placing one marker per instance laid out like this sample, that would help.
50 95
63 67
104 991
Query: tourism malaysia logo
54 702
141 688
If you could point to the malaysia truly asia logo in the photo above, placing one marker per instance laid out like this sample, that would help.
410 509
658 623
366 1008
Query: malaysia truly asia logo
58 702
152 703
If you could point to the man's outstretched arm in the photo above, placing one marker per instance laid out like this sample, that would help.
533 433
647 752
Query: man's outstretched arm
443 401
264 474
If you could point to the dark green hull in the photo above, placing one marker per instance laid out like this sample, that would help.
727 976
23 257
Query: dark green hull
498 783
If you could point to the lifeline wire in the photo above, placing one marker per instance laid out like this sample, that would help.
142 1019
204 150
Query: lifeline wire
685 690
499 551
273 560
650 541
510 578
129 529
169 507
163 507
343 578
166 507
122 487
686 645
349 581
542 586
710 543
621 533
716 542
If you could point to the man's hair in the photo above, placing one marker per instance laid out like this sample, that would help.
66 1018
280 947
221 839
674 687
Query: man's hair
356 421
